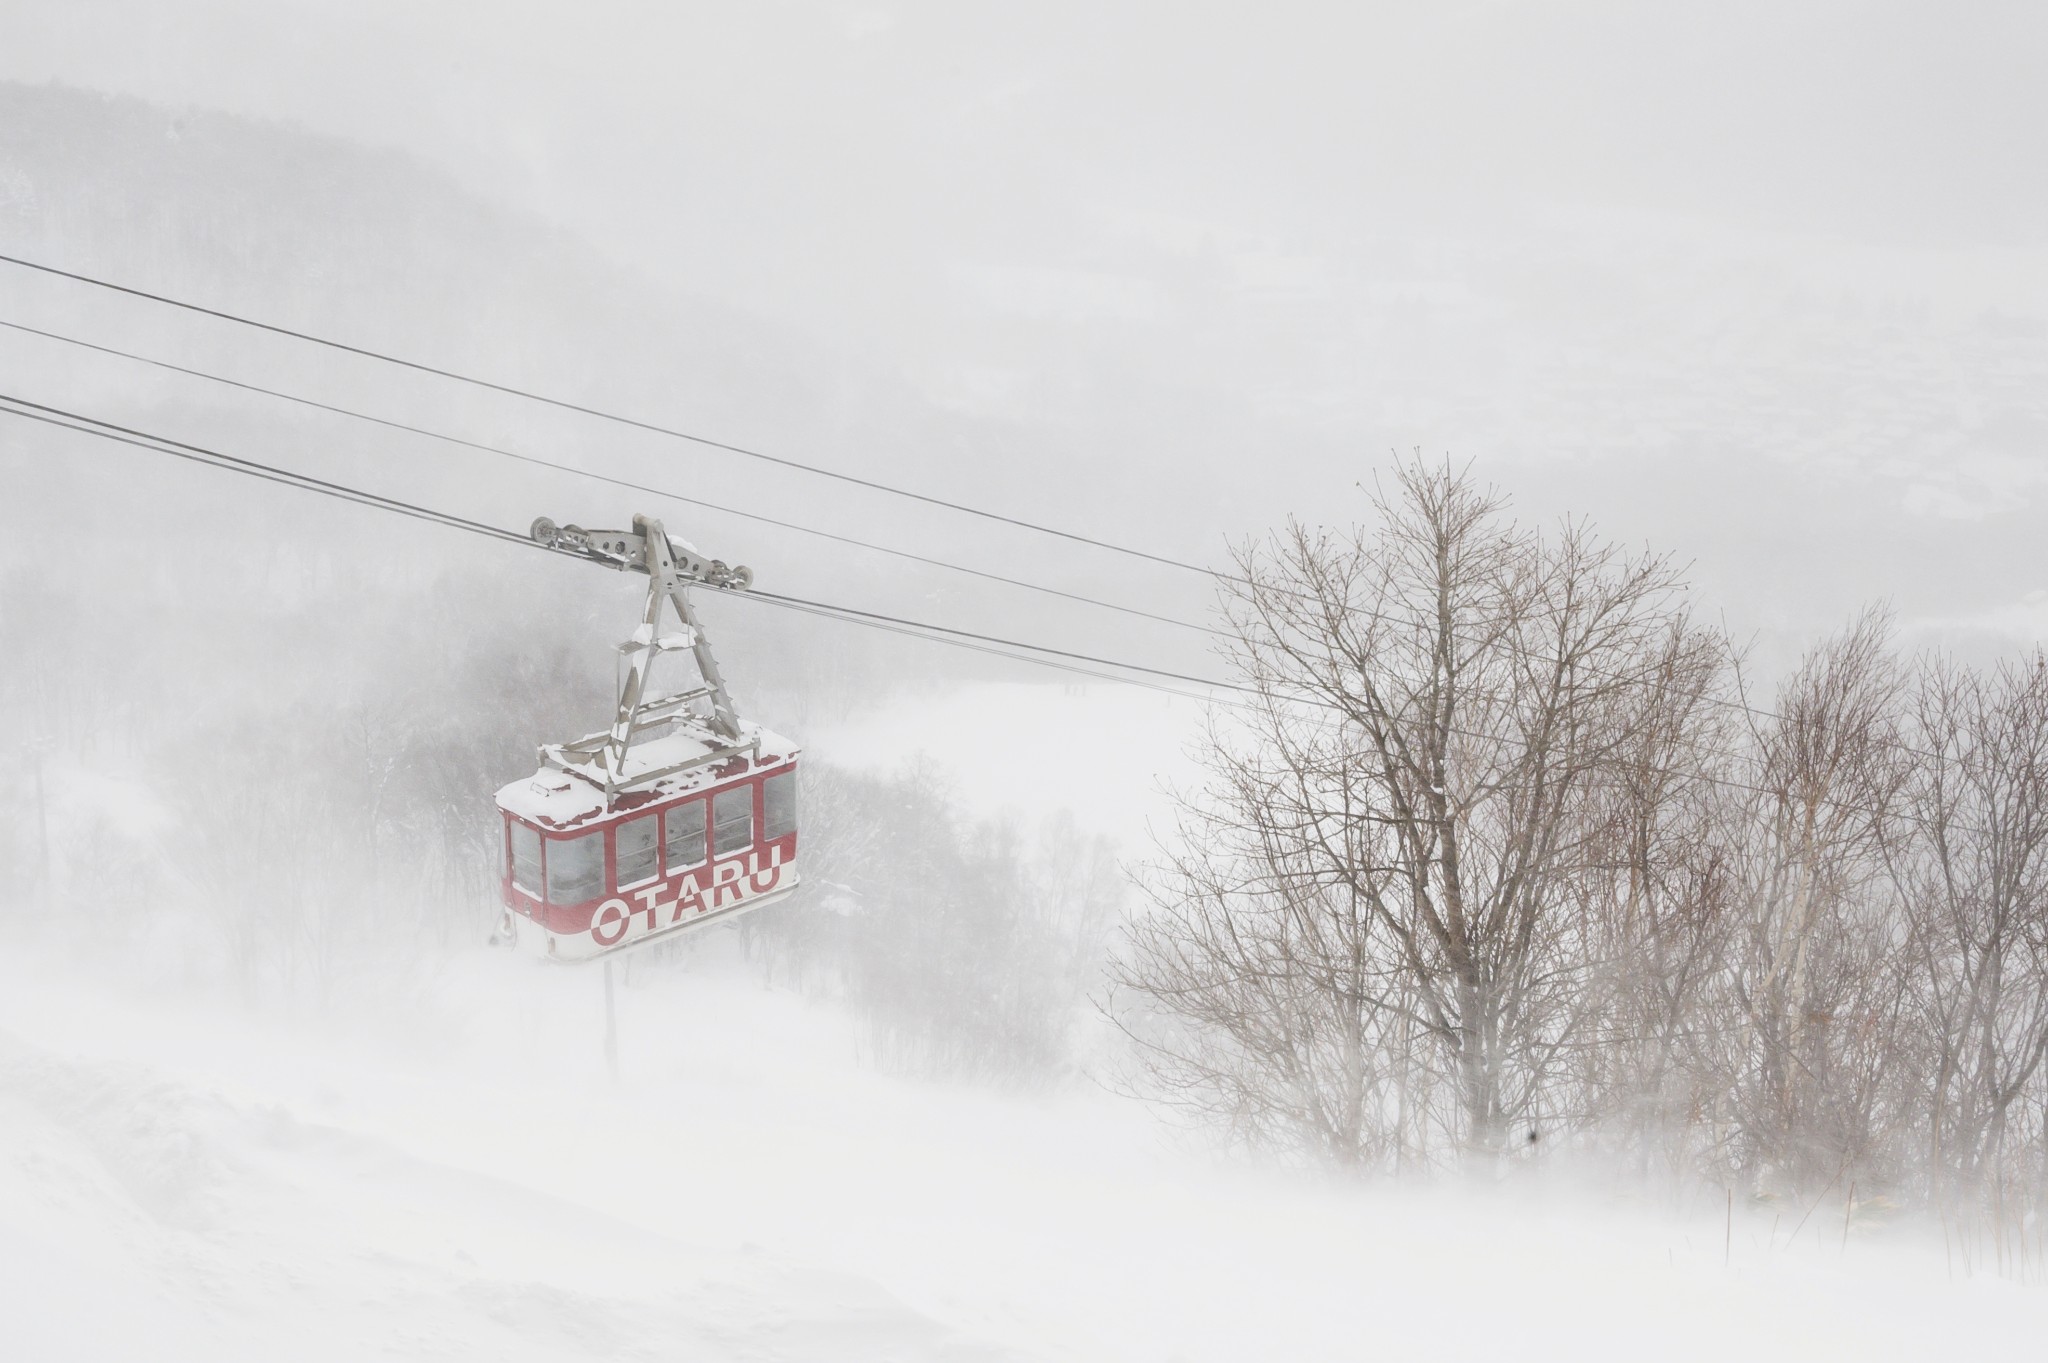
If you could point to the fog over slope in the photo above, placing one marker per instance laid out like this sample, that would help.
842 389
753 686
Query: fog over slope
1765 290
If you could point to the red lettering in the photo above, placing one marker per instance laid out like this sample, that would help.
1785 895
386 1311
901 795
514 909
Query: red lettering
647 898
686 898
610 922
764 877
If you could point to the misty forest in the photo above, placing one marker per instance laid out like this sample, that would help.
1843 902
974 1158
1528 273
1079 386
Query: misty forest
1332 725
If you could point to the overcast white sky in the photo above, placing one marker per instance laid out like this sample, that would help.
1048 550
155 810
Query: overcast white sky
875 132
1557 238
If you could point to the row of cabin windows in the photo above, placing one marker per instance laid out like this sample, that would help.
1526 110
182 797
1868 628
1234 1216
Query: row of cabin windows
575 865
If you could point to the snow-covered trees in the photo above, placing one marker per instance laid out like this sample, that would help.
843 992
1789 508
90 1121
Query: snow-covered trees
1967 847
965 948
1401 845
1500 849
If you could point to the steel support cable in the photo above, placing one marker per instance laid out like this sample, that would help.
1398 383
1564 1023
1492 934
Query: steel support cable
380 503
943 634
1722 702
846 612
564 404
608 478
934 633
917 630
85 425
105 430
851 612
636 423
276 474
694 501
140 439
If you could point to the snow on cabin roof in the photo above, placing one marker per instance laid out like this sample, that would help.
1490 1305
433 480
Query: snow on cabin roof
552 799
558 799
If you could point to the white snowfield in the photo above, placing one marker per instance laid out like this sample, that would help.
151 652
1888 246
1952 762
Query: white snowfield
455 1179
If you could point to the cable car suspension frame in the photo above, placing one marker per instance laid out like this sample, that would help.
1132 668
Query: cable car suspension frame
671 567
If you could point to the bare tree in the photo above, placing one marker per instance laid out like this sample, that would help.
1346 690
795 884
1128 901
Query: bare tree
1268 1000
962 947
1661 914
1399 836
1968 848
1811 979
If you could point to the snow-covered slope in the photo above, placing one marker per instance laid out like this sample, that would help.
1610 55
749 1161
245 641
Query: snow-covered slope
460 1181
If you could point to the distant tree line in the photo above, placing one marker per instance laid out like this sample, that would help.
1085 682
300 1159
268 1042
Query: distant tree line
965 948
1500 854
317 836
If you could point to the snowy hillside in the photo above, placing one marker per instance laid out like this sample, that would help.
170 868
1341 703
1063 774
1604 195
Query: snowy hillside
457 1181
1411 642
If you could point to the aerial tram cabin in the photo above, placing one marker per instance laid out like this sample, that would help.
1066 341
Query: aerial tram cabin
679 816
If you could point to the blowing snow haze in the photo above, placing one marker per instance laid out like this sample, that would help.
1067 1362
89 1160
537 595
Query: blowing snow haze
1097 1028
1752 284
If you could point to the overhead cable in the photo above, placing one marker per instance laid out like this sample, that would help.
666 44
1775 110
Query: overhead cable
564 404
1235 579
628 483
93 426
88 425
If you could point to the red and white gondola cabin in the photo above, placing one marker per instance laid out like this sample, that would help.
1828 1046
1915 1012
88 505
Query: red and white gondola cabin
681 815
706 842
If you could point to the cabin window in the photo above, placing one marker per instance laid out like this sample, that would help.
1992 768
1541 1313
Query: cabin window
575 868
526 858
635 851
732 819
685 835
778 805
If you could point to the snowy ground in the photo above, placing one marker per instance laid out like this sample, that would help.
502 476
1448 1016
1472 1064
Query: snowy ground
454 1177
459 1181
